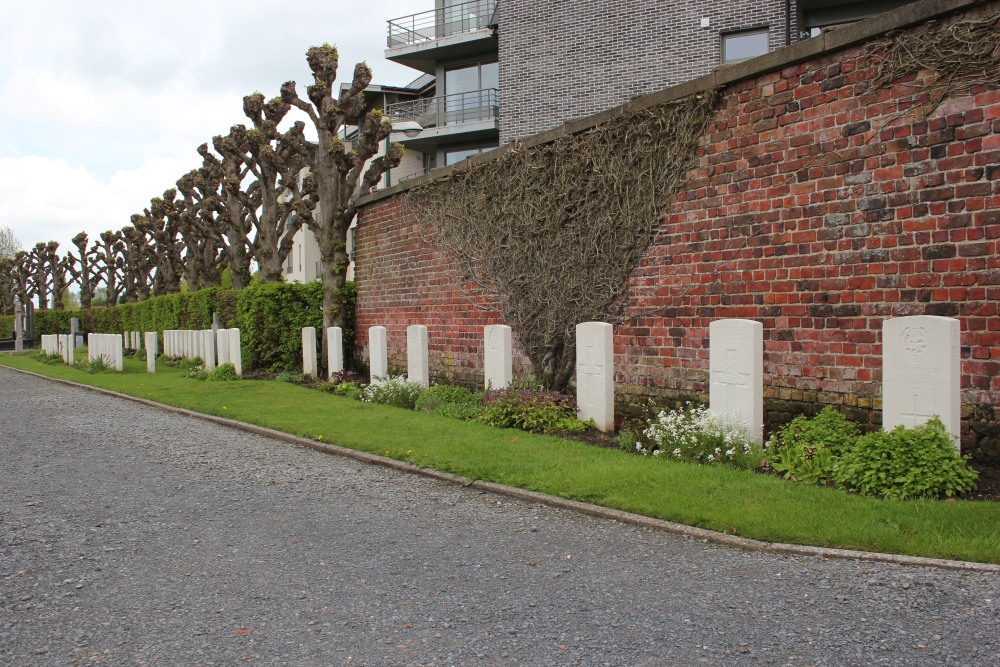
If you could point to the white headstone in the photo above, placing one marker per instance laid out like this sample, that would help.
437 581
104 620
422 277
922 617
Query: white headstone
595 373
208 349
497 356
736 372
117 352
222 340
235 351
334 351
309 352
70 345
378 353
91 347
151 345
417 363
921 372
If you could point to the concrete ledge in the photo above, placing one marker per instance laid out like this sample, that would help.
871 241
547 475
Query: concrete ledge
552 501
808 49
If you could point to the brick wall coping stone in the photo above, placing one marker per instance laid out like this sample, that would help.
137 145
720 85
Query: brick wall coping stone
801 51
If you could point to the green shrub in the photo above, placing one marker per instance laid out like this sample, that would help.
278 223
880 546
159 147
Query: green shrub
397 391
905 462
223 373
807 450
48 359
288 376
455 402
532 410
270 317
98 365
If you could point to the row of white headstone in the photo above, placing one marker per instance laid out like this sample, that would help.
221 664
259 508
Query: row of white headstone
133 340
921 372
107 347
212 347
334 351
61 344
921 369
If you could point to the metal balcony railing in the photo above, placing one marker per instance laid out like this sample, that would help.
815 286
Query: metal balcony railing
442 22
471 107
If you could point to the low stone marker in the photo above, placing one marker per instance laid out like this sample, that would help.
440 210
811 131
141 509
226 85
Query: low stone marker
497 357
236 351
222 341
736 372
334 351
595 373
69 349
151 346
309 352
921 372
378 354
208 348
417 362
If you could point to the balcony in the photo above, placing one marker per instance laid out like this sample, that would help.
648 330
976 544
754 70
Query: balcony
470 116
421 40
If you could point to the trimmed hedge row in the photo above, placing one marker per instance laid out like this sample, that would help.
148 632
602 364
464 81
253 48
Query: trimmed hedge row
270 317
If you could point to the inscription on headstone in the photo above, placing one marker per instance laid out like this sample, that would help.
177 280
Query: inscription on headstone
334 351
309 352
498 359
378 354
151 347
595 373
921 372
417 363
736 372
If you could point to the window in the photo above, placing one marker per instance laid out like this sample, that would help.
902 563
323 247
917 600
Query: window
468 92
737 46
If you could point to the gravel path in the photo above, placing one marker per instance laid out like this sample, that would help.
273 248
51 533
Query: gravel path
132 536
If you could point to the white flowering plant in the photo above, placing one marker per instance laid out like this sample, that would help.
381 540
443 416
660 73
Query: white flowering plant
393 390
695 433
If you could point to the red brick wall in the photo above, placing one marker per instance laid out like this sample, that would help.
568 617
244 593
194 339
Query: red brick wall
814 208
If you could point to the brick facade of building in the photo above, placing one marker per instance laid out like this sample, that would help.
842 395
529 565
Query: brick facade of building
818 206
565 60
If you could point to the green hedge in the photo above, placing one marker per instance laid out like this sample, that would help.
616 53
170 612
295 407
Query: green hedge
270 317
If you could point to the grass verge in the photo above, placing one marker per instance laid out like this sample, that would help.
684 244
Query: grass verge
715 497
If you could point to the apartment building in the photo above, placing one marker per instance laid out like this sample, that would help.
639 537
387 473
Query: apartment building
488 72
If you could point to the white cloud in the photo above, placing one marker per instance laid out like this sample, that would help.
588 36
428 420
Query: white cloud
46 199
103 103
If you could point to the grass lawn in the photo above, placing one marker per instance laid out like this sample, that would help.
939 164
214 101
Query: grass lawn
757 506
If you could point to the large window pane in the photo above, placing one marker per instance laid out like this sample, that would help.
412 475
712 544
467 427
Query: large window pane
743 45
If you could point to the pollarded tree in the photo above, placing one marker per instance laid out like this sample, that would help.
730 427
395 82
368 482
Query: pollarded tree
57 275
23 272
231 218
268 156
111 253
164 218
140 259
84 268
326 201
8 286
196 213
38 268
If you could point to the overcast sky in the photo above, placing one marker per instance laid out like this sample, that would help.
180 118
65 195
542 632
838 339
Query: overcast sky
103 103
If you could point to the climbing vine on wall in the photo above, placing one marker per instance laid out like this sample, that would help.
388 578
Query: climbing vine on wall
553 232
959 55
